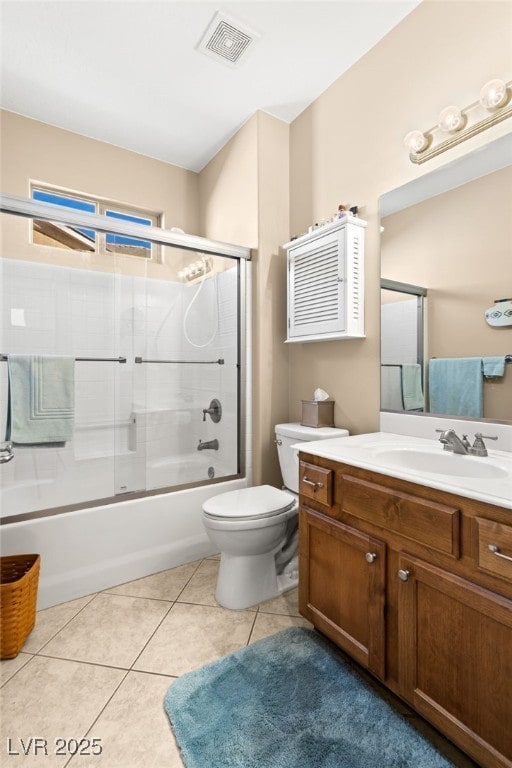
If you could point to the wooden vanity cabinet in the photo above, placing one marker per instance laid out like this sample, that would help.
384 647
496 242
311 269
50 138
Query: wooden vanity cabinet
455 643
402 577
344 585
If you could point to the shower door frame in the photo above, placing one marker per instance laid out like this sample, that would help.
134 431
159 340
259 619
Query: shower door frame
33 209
421 295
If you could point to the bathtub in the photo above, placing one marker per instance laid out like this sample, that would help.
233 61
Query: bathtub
91 549
96 547
191 468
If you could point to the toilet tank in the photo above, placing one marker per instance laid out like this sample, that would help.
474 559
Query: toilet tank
291 434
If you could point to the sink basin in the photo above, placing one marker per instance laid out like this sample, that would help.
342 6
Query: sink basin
423 461
441 463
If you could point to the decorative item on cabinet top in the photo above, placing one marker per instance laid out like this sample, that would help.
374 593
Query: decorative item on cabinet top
325 282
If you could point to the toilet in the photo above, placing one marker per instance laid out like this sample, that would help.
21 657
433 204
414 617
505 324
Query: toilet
256 529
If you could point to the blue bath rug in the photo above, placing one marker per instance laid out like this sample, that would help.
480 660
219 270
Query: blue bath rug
289 702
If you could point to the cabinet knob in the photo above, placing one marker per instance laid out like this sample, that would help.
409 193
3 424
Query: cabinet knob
403 574
370 557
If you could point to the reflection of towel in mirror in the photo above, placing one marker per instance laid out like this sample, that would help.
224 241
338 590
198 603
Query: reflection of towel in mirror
456 386
40 408
412 390
494 366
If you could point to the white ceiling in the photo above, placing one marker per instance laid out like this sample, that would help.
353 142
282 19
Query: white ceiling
127 71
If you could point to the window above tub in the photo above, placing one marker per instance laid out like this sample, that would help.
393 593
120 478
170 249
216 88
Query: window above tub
67 237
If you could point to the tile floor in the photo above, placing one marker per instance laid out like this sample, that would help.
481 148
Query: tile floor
98 668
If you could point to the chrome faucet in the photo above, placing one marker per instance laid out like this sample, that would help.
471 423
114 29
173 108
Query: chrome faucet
212 444
6 452
452 442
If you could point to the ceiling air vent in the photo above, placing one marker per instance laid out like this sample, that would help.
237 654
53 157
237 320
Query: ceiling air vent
227 40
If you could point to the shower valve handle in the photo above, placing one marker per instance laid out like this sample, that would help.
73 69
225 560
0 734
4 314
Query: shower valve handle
215 411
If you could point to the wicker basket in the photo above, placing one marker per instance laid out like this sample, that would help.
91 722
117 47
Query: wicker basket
19 578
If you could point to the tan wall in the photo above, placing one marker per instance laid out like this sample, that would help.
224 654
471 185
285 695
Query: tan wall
348 148
228 190
34 151
458 246
271 383
243 194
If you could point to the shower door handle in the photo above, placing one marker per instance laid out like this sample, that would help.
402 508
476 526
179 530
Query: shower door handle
6 453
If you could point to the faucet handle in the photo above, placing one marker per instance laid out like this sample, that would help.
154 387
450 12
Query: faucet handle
214 410
479 448
465 441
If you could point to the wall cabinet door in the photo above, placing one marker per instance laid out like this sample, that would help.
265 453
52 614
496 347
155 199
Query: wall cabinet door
326 282
455 643
342 587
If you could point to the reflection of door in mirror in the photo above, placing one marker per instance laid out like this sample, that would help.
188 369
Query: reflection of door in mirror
457 242
402 347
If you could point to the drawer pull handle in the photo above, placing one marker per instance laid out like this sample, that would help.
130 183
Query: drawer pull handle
496 551
403 574
312 482
370 557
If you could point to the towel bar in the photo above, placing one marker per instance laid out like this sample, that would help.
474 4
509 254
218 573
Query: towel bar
220 361
4 358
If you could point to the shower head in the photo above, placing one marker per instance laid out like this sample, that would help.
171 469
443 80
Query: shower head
198 270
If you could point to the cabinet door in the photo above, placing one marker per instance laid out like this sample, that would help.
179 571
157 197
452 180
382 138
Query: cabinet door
341 587
316 286
455 643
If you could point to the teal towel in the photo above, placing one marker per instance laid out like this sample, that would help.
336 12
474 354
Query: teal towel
41 397
412 390
456 386
494 366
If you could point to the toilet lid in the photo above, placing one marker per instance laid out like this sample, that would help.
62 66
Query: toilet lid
249 503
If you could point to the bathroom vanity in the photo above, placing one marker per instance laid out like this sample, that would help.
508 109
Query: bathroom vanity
413 579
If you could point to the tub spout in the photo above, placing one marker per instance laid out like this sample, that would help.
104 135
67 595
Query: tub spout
212 444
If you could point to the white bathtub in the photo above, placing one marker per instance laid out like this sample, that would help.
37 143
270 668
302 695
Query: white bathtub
180 470
92 549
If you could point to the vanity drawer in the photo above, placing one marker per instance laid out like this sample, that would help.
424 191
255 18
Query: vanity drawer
426 522
316 482
494 547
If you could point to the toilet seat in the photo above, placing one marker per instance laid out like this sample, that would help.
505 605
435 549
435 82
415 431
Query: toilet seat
259 502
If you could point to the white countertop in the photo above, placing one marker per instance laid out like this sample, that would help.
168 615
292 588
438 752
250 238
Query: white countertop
390 454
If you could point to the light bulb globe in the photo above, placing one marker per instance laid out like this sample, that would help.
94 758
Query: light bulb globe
494 94
416 142
451 119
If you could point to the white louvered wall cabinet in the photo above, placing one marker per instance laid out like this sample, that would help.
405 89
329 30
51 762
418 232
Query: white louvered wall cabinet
326 282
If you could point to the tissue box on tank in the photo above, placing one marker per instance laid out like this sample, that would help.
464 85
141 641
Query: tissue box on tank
317 413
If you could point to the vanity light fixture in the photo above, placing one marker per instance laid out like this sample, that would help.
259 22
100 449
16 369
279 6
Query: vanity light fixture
455 125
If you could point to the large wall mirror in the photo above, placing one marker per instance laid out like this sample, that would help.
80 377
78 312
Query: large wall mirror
446 259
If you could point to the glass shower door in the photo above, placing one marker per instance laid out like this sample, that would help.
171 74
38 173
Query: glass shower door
187 371
155 337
